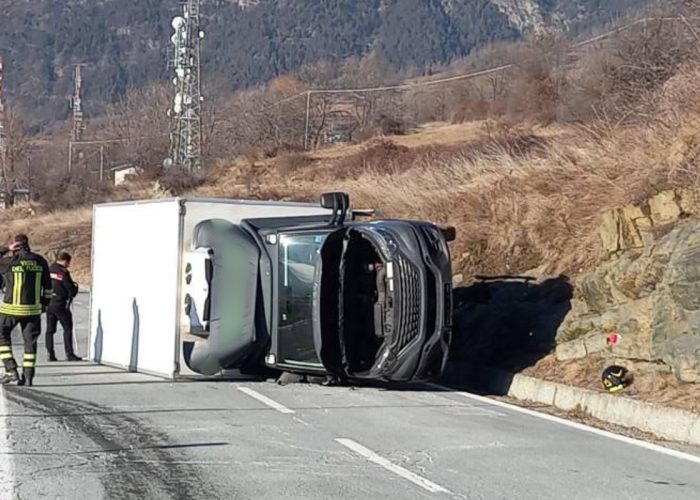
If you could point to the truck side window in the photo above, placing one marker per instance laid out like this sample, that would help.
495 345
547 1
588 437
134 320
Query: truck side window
297 260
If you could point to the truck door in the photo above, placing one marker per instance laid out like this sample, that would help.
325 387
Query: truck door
294 338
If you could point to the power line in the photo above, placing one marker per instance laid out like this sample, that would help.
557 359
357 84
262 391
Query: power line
408 86
119 140
484 72
102 142
625 27
387 88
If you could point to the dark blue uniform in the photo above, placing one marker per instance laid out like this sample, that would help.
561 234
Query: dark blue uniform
64 291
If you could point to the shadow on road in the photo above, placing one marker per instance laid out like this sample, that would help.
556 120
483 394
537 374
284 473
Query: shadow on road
120 382
502 326
136 331
99 338
45 370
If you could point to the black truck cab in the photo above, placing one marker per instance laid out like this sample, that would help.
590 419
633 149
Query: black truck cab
357 300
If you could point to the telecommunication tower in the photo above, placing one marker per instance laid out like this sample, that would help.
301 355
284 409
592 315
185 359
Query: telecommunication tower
186 111
77 105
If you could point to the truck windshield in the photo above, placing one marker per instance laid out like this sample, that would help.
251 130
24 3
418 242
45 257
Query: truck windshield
298 254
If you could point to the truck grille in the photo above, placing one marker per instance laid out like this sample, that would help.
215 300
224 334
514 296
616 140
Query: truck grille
410 290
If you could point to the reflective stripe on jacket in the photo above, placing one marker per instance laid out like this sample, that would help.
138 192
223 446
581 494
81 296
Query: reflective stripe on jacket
27 284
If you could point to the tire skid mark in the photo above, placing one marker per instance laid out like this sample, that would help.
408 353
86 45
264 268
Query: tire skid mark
137 460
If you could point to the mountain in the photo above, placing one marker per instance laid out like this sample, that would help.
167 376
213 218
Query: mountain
124 42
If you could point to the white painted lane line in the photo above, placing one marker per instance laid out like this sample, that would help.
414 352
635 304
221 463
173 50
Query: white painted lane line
575 425
265 400
7 477
391 467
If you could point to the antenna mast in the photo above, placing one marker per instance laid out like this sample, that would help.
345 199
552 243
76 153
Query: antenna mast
77 105
186 113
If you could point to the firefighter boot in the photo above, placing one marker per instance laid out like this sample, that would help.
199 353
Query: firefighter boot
9 377
27 378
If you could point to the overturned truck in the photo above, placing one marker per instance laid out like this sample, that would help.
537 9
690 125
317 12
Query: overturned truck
222 287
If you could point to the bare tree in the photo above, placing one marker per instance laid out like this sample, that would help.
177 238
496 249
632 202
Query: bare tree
269 118
16 146
140 124
646 56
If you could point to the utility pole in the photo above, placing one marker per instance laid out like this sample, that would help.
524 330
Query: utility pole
3 139
306 120
4 188
186 112
102 162
78 127
77 105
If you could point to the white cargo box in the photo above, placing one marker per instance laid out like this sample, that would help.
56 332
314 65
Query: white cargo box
138 251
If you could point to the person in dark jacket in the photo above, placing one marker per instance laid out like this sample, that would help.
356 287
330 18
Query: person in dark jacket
27 294
64 291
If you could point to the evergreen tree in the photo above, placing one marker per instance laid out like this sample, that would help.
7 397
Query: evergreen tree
125 42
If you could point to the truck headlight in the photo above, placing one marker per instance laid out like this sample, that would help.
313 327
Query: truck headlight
390 244
436 239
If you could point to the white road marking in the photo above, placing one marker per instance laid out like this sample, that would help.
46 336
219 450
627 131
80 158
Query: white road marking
575 425
391 467
300 421
265 400
7 477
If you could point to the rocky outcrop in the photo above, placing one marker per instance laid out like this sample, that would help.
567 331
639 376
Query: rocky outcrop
525 15
633 227
648 291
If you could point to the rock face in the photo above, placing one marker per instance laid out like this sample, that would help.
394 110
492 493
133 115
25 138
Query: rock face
633 227
648 291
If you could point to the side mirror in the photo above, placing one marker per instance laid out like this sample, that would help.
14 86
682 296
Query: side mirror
333 201
449 233
339 203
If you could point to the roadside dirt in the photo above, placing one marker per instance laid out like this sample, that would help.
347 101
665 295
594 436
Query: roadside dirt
652 383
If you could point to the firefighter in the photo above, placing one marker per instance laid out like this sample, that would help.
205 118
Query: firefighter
64 291
27 294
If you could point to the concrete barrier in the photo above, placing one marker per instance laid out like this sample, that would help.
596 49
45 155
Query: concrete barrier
667 423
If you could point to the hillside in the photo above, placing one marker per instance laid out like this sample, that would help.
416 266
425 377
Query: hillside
250 42
611 207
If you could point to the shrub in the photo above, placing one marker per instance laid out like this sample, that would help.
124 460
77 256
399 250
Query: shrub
177 181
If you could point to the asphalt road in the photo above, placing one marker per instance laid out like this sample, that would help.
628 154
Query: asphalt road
89 432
